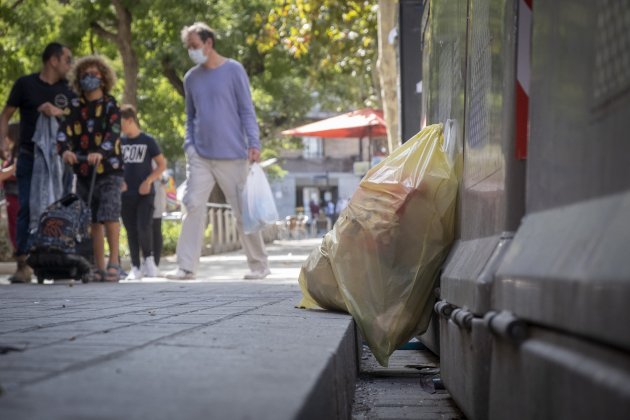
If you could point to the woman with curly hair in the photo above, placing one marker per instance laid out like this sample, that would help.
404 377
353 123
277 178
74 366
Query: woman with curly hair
92 130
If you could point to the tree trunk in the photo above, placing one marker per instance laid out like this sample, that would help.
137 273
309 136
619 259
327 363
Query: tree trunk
129 59
122 38
387 66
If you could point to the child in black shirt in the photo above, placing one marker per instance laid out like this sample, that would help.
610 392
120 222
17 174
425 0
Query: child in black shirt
139 150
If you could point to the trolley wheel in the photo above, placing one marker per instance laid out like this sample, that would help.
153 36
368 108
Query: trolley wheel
86 277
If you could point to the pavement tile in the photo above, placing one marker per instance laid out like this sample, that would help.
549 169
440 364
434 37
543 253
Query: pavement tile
215 348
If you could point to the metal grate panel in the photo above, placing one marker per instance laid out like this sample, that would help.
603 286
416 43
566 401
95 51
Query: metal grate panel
446 82
480 76
612 57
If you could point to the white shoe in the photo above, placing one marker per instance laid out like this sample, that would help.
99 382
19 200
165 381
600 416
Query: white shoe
257 274
149 268
181 274
134 274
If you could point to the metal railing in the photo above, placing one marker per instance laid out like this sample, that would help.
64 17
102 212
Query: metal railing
224 233
224 237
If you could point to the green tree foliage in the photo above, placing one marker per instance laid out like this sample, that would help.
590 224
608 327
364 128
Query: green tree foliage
21 42
335 41
295 52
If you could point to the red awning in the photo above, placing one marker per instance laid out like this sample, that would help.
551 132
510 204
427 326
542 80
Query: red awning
361 123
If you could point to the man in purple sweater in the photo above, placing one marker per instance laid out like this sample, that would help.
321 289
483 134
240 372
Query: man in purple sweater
222 137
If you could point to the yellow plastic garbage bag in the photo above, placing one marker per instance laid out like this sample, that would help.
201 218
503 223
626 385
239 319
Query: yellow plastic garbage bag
317 281
387 246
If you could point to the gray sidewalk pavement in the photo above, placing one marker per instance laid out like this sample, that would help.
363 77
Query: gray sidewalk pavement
215 348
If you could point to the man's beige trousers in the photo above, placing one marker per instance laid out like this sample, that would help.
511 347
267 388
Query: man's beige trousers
201 176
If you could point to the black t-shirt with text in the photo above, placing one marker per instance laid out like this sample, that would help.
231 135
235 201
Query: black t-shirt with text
138 152
28 93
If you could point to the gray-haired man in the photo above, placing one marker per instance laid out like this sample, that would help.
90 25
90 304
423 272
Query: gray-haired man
222 136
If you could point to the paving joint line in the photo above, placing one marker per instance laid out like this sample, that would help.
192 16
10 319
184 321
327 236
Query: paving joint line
57 324
111 356
108 330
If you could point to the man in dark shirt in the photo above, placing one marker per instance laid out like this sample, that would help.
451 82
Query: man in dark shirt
45 92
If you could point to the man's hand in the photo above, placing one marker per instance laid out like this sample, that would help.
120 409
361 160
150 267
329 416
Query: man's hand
253 155
50 110
123 187
145 187
69 157
94 158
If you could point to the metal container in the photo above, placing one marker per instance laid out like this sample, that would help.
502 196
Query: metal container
555 376
475 93
580 102
465 364
567 273
443 86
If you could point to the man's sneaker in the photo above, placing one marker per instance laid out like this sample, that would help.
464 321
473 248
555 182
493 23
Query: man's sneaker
134 274
181 274
149 268
257 274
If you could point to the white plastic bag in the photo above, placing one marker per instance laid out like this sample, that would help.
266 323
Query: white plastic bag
259 207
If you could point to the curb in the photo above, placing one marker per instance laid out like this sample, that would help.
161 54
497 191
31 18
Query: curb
333 391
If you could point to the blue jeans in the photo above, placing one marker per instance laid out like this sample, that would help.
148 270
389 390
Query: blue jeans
23 173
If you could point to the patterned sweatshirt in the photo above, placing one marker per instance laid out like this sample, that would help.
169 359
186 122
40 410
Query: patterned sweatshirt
93 126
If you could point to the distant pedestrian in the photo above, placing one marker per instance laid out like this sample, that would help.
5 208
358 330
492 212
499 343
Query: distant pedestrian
92 130
45 92
222 137
140 151
330 211
9 181
314 208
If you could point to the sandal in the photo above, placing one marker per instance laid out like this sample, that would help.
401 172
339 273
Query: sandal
113 276
97 275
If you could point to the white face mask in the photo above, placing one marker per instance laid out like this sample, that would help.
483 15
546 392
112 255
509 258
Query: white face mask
197 56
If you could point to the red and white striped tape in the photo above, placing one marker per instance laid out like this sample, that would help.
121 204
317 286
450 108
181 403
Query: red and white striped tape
523 63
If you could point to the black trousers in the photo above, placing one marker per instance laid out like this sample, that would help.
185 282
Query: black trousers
137 215
158 240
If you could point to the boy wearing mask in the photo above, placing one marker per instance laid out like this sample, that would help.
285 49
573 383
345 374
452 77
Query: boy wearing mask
139 152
